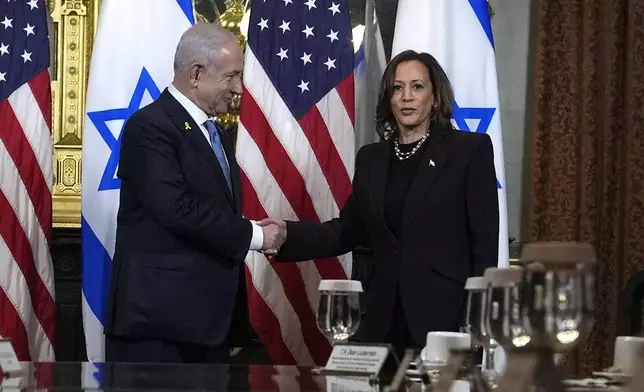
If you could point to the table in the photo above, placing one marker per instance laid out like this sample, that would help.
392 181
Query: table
85 376
79 376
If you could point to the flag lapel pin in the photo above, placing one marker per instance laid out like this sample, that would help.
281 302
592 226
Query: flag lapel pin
431 163
187 125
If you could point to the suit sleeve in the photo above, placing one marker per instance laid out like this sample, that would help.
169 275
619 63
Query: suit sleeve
482 203
311 240
150 162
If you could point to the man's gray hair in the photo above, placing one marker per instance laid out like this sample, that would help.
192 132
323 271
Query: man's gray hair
201 44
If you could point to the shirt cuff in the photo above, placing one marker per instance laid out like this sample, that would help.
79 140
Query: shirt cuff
257 240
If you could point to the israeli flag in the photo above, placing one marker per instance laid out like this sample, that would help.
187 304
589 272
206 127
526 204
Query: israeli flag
132 62
370 64
458 34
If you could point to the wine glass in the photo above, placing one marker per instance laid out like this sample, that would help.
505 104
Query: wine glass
475 325
476 287
504 317
339 309
560 286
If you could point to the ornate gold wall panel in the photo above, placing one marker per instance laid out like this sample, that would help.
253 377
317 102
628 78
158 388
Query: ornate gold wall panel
73 26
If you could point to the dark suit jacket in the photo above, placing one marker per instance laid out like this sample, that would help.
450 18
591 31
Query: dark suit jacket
449 232
181 241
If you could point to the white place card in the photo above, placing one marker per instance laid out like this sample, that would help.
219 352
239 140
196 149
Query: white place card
12 384
8 359
359 359
349 384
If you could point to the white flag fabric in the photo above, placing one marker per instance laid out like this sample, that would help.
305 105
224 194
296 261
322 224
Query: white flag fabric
132 62
370 64
458 34
92 376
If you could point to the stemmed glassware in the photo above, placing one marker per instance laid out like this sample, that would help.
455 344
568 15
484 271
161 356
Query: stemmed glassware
542 309
559 281
475 325
504 318
339 309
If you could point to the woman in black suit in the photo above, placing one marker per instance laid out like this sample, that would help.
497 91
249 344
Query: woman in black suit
424 200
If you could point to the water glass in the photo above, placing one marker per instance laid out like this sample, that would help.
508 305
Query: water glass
339 309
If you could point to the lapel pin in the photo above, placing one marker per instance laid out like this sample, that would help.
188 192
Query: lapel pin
187 125
431 163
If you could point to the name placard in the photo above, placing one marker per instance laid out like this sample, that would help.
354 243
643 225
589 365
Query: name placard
349 384
8 359
363 359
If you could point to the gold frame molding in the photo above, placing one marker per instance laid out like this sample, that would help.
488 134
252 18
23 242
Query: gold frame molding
73 23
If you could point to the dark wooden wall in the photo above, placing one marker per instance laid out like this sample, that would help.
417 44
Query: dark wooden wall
66 255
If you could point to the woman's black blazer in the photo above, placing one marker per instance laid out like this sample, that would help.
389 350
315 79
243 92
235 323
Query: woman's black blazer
449 232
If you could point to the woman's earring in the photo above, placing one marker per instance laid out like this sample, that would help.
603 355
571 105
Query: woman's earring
388 132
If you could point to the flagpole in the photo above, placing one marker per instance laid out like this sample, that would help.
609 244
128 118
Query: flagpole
489 7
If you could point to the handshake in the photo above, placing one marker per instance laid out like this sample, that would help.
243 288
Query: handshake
274 235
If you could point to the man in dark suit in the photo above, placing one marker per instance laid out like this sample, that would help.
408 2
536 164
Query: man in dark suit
177 291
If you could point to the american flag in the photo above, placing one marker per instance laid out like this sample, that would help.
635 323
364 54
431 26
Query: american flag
27 309
295 146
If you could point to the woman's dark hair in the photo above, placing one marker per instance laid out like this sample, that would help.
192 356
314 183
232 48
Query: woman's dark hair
442 91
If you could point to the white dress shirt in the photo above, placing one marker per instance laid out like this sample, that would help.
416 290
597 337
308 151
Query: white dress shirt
200 118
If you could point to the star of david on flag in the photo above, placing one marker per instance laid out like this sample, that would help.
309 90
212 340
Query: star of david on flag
458 33
132 62
101 118
483 115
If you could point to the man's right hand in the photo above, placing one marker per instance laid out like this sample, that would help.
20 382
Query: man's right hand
274 235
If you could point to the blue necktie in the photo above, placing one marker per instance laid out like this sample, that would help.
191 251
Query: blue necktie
218 148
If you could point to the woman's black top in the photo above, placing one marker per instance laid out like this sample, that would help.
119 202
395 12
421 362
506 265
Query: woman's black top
399 179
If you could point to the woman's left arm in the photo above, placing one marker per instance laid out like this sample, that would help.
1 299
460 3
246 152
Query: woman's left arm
482 206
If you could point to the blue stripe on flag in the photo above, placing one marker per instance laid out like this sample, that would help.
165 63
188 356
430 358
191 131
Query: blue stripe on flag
97 267
186 7
482 12
359 56
98 374
360 63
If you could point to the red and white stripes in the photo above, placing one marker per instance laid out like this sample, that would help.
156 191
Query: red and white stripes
297 169
27 308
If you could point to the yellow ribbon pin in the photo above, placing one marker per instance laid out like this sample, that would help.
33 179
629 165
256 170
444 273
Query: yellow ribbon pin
187 125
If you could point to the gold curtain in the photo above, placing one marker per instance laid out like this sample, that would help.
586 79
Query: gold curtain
588 146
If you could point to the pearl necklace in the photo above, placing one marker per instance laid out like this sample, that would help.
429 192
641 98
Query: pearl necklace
406 155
